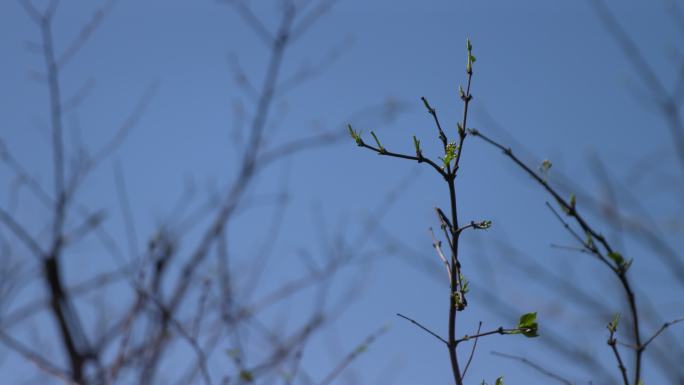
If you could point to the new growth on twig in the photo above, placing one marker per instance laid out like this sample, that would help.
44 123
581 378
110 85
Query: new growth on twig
447 166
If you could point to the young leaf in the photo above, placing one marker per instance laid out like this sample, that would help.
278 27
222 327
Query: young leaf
612 325
382 149
450 154
465 285
590 240
355 135
544 168
461 130
527 325
499 381
471 58
484 225
246 376
617 258
416 144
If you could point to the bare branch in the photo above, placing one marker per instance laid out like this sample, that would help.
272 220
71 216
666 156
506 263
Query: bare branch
21 234
352 355
536 367
86 33
423 327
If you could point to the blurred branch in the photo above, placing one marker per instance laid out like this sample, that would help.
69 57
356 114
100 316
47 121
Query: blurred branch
351 356
534 366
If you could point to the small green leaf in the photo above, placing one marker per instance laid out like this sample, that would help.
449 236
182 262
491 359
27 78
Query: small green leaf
568 208
544 168
461 130
246 376
465 285
499 381
416 144
450 154
471 58
590 240
382 149
617 258
355 135
612 325
527 325
484 225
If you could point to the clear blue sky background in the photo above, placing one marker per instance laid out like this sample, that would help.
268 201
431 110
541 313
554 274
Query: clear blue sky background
547 73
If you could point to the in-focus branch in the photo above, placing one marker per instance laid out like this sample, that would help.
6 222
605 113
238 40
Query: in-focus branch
423 327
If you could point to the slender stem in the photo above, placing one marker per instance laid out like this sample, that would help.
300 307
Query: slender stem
612 342
56 123
456 290
635 324
383 151
535 366
422 327
455 268
499 330
472 351
462 134
660 330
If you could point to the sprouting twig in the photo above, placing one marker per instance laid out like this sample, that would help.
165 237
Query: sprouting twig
619 269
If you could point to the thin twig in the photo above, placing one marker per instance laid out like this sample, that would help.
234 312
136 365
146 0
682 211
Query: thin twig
534 366
36 359
21 234
383 151
352 355
423 327
613 346
660 330
472 351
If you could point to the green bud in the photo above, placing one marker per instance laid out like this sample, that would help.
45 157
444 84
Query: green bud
355 135
382 149
612 325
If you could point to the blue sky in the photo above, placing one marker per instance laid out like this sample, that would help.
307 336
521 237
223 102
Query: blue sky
548 76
